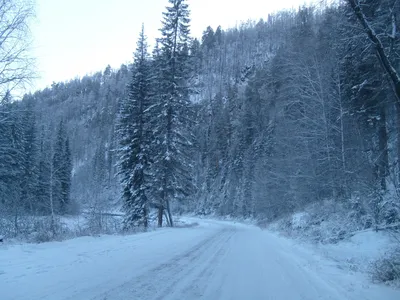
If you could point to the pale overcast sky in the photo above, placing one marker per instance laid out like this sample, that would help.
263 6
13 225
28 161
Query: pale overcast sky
76 37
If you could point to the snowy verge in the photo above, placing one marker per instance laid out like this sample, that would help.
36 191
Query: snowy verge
341 265
337 235
88 265
40 229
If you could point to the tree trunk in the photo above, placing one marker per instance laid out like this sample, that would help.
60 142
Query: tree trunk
146 217
398 141
53 229
383 160
160 215
171 222
166 218
16 227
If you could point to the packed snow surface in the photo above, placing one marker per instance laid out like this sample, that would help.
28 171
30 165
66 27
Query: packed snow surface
214 260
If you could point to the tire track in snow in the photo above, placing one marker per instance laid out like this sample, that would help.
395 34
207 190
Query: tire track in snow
179 274
192 286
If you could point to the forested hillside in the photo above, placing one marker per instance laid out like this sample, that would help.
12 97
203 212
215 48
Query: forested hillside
284 112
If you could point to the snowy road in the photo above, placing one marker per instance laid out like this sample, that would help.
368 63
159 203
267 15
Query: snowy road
215 260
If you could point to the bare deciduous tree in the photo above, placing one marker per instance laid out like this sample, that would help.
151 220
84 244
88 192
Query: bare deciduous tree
16 64
380 50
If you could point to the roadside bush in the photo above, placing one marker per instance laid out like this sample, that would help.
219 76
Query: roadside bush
387 269
33 229
102 223
46 229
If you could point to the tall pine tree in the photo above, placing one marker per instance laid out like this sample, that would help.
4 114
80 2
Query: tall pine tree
29 180
44 173
61 170
135 140
173 134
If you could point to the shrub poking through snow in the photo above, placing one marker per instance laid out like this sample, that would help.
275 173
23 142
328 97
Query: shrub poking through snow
387 269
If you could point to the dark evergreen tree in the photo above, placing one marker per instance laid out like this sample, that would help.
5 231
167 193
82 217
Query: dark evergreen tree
173 163
135 140
29 180
44 168
99 172
11 161
66 177
61 171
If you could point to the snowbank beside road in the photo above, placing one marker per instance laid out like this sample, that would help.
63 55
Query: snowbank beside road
341 238
82 267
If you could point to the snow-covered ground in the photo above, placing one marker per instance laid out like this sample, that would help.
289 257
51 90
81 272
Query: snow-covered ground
358 252
214 260
336 236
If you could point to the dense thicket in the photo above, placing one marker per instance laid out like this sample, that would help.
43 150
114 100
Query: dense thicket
289 110
35 166
299 111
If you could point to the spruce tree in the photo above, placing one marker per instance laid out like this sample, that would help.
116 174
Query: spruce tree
29 180
44 168
66 176
173 134
61 171
11 160
134 139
